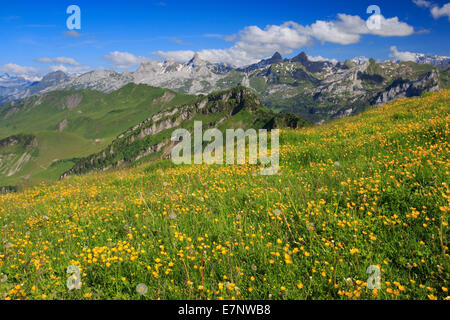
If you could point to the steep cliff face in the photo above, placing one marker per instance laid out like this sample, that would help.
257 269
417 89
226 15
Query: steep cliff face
403 89
236 108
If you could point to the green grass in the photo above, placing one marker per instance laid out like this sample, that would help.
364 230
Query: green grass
91 125
366 190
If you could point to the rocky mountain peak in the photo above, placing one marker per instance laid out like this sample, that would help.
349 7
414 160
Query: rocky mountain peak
196 61
55 77
301 57
276 57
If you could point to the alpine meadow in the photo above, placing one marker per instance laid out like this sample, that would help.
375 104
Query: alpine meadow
236 159
366 190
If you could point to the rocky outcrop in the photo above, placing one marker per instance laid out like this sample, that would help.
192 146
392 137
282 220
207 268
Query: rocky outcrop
28 141
62 125
73 101
405 89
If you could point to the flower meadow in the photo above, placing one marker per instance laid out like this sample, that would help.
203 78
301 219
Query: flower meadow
369 190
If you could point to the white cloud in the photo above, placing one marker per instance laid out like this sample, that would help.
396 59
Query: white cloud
348 29
422 3
69 70
253 43
61 60
124 60
262 42
179 55
320 58
437 12
21 71
402 55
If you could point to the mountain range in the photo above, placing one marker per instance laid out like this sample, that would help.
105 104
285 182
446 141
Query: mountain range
317 90
442 62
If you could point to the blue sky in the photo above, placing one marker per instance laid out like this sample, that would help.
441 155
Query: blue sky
121 34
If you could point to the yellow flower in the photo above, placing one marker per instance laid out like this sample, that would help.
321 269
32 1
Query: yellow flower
300 285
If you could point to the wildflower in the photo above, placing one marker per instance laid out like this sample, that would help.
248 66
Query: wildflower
141 289
172 215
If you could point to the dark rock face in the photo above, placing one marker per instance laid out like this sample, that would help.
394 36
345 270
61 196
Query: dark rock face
405 89
370 78
311 66
304 76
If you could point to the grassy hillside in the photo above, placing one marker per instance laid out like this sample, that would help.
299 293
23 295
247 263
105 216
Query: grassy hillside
366 190
150 139
73 124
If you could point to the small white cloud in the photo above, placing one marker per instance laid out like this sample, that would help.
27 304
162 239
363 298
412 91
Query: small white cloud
438 12
69 70
320 58
124 60
423 3
61 60
21 71
402 55
179 55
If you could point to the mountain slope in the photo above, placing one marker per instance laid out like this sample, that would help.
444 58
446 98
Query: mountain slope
369 190
236 108
73 124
